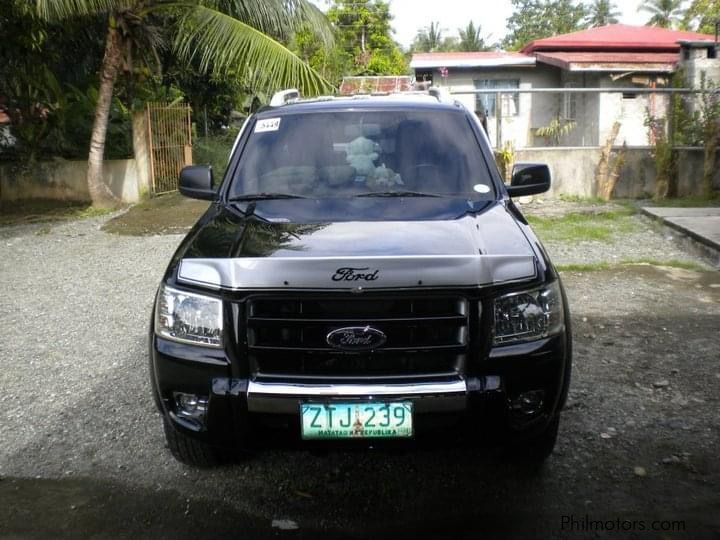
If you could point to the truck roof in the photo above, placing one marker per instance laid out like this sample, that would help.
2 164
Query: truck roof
401 100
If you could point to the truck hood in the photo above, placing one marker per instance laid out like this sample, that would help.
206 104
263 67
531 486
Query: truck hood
449 248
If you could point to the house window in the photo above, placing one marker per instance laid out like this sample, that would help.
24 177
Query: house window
570 100
486 102
424 75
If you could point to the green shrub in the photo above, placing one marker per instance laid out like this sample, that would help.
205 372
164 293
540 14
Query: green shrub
214 150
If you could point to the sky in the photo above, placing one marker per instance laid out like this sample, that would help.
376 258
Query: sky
411 15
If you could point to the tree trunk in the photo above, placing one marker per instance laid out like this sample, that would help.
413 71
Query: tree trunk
100 193
602 173
615 171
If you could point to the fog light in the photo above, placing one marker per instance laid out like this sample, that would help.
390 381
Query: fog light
528 403
190 405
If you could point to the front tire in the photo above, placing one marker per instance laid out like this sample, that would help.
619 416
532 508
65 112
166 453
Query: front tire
191 451
536 449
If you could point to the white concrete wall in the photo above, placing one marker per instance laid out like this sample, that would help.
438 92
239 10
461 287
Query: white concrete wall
698 65
632 113
66 180
573 170
697 68
585 132
535 110
595 113
141 151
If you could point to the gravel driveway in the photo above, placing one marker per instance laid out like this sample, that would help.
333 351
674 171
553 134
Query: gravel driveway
82 452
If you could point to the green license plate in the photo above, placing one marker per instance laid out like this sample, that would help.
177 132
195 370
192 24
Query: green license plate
356 420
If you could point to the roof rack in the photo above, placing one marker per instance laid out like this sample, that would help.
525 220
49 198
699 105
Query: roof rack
284 96
441 94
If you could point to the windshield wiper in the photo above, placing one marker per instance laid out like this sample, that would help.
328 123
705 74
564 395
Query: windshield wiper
398 194
265 196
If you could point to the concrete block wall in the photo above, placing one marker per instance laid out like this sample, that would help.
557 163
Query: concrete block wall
65 180
573 170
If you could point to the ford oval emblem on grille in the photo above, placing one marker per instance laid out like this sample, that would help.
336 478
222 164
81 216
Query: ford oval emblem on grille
356 338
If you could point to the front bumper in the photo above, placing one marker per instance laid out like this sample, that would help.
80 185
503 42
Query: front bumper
481 403
427 396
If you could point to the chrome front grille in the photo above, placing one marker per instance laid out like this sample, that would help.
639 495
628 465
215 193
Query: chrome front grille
426 335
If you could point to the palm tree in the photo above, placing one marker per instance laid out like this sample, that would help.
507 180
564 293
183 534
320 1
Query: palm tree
428 39
665 13
222 34
602 13
470 39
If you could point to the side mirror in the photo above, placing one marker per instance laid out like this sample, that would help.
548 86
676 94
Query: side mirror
196 182
529 179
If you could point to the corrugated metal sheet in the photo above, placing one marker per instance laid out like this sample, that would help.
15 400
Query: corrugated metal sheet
614 37
610 61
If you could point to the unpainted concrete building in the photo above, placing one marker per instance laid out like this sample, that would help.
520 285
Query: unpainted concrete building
611 57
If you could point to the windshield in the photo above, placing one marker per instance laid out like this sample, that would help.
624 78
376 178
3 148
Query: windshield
368 153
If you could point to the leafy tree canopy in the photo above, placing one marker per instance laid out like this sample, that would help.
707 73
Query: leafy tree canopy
701 15
536 19
363 35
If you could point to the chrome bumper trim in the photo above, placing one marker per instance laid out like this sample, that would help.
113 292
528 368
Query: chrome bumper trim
273 397
355 390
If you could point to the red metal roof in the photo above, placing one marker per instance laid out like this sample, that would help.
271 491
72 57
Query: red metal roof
480 55
610 61
616 37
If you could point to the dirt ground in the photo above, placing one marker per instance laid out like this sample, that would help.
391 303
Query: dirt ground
83 454
167 214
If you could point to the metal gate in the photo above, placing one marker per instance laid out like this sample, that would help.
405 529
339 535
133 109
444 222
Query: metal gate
170 141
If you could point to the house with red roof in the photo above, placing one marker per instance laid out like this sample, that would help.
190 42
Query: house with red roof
614 56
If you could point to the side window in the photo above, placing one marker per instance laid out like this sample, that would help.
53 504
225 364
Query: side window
486 102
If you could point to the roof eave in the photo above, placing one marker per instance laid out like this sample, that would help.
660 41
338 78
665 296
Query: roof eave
621 68
500 62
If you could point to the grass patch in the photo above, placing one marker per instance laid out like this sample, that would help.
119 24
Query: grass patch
581 200
575 226
603 265
46 210
583 267
597 201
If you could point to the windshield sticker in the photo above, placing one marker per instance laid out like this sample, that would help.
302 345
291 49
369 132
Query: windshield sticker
267 124
481 188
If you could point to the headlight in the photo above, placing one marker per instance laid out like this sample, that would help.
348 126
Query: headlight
188 317
528 315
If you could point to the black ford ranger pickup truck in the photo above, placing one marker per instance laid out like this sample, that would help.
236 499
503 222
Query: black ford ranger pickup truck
361 274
